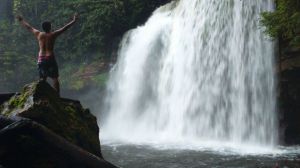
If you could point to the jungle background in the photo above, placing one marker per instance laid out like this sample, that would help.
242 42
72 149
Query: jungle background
84 53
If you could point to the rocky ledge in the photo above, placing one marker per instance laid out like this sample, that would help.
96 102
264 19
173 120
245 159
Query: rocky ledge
39 129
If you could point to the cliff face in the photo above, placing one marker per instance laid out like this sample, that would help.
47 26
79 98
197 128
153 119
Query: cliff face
38 128
289 99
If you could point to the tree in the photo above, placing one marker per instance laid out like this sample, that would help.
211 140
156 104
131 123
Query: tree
284 22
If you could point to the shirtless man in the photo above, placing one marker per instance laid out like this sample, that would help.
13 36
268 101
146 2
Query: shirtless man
46 60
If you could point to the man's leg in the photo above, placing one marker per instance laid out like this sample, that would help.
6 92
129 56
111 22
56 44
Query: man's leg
42 72
56 85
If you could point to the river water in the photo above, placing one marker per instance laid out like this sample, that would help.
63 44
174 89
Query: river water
195 87
156 156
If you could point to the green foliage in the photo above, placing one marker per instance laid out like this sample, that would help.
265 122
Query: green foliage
285 21
100 79
13 64
77 84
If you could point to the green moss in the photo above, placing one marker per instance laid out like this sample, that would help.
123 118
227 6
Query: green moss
19 101
69 109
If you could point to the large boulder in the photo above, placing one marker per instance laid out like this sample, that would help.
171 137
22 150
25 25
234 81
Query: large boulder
39 102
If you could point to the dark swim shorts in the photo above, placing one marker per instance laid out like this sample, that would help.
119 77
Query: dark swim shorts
48 68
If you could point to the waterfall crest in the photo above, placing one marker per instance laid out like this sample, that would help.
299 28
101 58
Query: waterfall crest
198 70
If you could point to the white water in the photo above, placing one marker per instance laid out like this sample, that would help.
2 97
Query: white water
198 72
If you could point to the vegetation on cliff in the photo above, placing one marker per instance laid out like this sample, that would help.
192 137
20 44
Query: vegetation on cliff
284 22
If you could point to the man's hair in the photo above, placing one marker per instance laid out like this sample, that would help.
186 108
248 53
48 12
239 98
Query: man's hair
46 26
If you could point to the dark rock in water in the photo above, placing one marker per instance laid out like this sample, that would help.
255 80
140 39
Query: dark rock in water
25 143
67 119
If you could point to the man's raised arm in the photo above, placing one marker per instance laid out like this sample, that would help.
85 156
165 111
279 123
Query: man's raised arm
66 27
28 26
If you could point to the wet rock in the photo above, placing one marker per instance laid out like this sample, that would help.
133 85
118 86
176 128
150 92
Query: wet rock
289 99
39 102
289 105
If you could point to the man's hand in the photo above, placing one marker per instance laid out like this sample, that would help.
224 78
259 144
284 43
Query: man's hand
75 16
67 26
20 18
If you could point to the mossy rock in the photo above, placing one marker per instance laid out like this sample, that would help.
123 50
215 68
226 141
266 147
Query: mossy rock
40 102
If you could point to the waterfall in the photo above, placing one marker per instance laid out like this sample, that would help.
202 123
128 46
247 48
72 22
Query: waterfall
197 71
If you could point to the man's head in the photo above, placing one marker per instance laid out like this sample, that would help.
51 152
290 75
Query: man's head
46 26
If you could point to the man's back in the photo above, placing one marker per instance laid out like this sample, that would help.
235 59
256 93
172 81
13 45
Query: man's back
46 43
